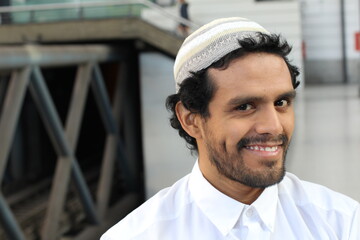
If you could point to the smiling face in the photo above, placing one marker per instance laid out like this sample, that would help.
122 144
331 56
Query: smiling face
251 122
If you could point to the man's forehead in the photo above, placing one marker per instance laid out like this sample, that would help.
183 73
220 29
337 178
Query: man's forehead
251 65
249 77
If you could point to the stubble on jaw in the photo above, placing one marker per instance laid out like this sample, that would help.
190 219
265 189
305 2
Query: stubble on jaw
232 164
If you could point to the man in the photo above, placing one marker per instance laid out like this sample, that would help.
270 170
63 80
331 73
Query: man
234 107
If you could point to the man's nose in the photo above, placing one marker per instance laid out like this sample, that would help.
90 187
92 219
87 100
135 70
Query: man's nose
269 122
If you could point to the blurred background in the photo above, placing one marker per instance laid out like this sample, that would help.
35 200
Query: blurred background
84 133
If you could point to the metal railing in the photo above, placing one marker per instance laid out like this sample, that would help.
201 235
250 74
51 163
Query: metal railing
86 10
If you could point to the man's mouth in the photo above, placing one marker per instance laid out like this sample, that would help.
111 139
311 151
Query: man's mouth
264 151
263 148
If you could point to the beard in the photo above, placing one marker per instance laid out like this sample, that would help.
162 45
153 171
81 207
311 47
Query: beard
232 164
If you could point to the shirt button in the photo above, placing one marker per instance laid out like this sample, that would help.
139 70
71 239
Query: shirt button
250 212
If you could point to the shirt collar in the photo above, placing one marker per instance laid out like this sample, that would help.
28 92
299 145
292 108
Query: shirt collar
220 209
224 211
266 205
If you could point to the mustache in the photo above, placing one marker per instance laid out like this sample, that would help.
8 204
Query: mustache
266 138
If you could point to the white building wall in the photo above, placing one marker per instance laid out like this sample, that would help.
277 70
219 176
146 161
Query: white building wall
321 27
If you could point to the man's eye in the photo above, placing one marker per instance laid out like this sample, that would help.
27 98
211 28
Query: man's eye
282 103
245 107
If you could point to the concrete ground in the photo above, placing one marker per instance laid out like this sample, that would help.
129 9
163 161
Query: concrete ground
325 148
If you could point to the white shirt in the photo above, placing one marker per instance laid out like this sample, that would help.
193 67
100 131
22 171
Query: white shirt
193 209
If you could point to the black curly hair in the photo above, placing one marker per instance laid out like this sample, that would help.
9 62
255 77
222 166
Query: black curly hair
196 92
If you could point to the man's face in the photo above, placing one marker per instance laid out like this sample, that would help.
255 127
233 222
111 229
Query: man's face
251 120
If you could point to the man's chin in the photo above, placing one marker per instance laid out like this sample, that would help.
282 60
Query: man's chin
262 179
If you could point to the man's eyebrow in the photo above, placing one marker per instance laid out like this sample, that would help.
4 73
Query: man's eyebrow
242 100
289 95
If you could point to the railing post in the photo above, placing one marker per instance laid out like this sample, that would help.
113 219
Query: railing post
80 13
32 16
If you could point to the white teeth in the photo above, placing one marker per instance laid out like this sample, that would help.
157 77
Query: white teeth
267 149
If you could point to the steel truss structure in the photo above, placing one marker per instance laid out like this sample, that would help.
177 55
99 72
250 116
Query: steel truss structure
25 64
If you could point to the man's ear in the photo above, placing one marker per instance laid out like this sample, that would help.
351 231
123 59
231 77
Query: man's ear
189 121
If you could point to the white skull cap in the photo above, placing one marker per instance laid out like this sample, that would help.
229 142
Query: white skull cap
210 43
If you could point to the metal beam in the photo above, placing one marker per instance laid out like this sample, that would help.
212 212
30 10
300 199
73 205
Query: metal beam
50 56
10 114
84 194
132 122
108 117
48 112
77 104
103 101
65 152
110 154
62 173
72 129
8 221
106 176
